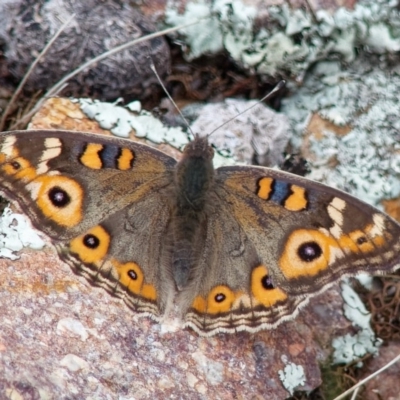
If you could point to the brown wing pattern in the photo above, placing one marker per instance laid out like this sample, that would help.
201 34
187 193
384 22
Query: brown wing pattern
276 239
103 203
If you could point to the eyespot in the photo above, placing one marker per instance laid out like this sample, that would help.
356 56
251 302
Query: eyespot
19 168
219 297
364 241
92 246
309 251
132 274
361 240
91 241
59 197
266 282
306 253
219 300
15 165
263 288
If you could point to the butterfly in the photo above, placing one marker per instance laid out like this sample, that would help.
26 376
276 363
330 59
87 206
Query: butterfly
233 248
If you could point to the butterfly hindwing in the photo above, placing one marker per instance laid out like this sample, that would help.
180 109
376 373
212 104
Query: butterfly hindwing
124 253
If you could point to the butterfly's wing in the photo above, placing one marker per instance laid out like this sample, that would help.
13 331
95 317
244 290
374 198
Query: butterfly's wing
272 241
100 200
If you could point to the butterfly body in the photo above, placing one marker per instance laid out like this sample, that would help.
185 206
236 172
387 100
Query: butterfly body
194 179
234 248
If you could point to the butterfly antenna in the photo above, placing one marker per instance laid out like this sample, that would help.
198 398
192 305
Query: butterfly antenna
153 68
278 87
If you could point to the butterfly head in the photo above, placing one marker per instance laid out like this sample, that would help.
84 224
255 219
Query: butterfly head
199 148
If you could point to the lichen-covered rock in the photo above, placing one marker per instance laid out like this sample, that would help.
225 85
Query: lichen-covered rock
281 39
345 122
258 134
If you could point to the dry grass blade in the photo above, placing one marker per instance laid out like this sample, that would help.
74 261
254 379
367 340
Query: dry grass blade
355 393
31 68
388 365
60 84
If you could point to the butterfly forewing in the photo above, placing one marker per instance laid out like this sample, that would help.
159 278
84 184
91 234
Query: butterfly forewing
68 182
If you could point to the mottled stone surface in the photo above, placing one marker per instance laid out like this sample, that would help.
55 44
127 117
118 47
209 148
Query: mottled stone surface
59 337
387 384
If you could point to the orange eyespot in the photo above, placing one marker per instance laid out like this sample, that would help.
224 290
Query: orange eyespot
263 289
306 253
219 300
131 276
60 199
92 246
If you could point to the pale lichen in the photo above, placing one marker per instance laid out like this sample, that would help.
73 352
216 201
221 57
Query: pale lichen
349 348
292 376
366 160
15 234
243 129
122 120
288 40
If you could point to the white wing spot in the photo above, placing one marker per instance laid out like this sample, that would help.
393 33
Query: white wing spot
53 150
33 188
339 204
335 209
379 225
8 146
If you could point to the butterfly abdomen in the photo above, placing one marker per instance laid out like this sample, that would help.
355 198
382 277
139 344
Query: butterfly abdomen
194 178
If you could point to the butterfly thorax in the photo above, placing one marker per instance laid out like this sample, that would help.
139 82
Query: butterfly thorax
193 180
194 175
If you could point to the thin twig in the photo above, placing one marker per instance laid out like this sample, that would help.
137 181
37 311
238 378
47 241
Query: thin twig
312 12
368 378
355 393
395 277
53 90
30 70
